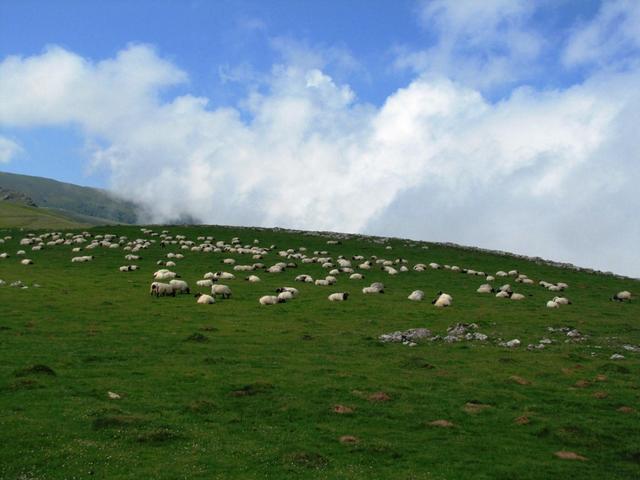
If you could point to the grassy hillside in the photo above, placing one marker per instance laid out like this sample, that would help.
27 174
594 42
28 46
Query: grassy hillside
17 215
92 204
240 390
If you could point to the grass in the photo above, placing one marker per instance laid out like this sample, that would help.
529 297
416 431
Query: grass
17 215
239 390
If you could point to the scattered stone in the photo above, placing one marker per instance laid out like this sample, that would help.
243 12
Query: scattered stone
545 341
600 395
519 380
113 396
379 397
409 336
632 348
574 333
474 407
348 439
450 339
342 409
523 420
511 343
625 409
565 455
532 346
441 423
616 356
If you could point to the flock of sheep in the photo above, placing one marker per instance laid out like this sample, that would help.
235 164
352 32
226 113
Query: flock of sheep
167 282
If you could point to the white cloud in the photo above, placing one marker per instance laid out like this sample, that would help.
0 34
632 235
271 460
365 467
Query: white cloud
609 38
8 149
550 173
480 43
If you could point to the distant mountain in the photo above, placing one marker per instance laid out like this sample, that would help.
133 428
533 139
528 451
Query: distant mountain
84 205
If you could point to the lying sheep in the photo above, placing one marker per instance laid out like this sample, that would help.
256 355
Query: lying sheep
180 286
517 296
164 274
252 279
304 278
293 291
562 300
161 289
285 295
623 296
416 296
331 279
552 304
322 283
205 283
338 297
204 299
128 268
222 290
502 294
442 300
26 261
356 276
270 300
485 288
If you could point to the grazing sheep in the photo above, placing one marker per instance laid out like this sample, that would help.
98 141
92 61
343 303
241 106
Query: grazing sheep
253 278
442 300
161 289
562 300
293 291
285 295
416 296
356 276
26 261
222 290
205 283
517 296
434 266
304 278
180 286
552 304
331 279
622 296
502 294
164 274
485 288
338 297
322 283
270 300
204 299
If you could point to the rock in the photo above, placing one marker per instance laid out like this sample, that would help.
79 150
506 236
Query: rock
379 397
616 356
342 409
582 384
632 348
565 455
409 336
512 343
441 423
348 439
574 333
450 339
546 341
113 396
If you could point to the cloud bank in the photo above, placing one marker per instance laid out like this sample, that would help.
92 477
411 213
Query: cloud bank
552 173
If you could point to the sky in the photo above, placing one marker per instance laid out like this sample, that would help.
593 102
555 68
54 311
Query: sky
503 124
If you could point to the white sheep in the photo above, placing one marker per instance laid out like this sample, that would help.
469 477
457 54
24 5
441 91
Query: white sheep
222 290
322 283
285 295
253 278
442 300
224 275
291 290
160 289
26 261
502 294
338 297
331 279
164 274
562 300
356 276
304 278
416 296
205 283
517 296
552 304
622 296
270 300
180 286
204 299
485 288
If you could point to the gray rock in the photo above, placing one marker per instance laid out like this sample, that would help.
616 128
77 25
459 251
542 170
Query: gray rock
616 356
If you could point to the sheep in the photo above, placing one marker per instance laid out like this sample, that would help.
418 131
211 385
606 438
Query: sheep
356 276
21 252
4 255
490 278
252 278
552 304
378 285
229 261
204 299
170 264
26 261
331 279
224 275
161 289
562 300
285 295
416 296
128 268
501 273
434 266
367 290
322 283
338 297
513 273
502 294
270 300
222 290
517 296
304 278
442 300
291 290
622 296
485 288
505 288
562 285
164 274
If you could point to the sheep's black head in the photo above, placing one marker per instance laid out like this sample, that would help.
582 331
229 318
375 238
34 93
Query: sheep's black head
345 295
197 295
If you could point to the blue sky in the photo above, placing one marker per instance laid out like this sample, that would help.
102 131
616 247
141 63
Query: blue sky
499 123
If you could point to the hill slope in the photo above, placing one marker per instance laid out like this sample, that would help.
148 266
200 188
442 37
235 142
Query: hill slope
18 215
305 389
89 205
